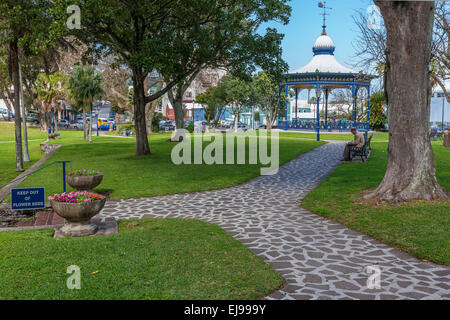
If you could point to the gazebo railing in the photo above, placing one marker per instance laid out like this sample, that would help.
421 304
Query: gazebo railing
341 125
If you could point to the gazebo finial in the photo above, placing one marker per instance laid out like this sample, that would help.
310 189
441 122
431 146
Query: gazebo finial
324 14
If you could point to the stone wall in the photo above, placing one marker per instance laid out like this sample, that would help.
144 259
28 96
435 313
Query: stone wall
47 148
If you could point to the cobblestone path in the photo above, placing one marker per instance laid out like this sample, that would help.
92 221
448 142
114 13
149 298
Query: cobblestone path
319 258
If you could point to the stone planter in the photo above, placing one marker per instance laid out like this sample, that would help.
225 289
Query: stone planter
82 183
78 216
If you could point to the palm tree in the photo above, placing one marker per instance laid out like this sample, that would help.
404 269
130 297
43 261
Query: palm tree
74 84
50 90
85 87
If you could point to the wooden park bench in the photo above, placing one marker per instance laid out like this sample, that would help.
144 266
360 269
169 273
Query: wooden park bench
363 151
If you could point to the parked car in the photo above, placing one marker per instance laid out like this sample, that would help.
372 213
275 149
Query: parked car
63 123
77 125
226 125
242 126
166 125
33 118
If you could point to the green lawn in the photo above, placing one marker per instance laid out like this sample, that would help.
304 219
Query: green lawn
419 228
128 176
378 136
8 150
8 160
7 132
147 259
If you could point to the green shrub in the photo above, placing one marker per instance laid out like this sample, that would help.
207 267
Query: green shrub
157 117
126 127
190 127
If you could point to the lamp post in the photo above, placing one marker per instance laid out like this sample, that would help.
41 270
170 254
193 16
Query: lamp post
318 92
98 110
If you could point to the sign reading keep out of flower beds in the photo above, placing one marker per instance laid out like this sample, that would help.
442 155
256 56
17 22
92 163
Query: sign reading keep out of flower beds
28 199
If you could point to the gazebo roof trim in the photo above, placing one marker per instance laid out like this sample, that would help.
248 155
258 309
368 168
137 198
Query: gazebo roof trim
324 60
324 63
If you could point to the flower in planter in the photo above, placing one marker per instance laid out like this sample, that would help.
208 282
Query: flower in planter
83 172
76 197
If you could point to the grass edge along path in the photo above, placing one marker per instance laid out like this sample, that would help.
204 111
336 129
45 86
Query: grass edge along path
148 259
419 228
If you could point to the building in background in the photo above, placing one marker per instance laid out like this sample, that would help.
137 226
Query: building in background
206 78
440 108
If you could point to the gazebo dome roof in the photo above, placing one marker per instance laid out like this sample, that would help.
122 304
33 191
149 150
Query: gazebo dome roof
324 60
324 42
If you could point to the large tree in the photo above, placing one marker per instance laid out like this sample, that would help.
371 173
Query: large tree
239 93
214 101
139 34
239 50
61 58
174 37
370 45
266 95
31 26
411 170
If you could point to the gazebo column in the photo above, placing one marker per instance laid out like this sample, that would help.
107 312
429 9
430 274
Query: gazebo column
286 92
326 106
317 112
296 105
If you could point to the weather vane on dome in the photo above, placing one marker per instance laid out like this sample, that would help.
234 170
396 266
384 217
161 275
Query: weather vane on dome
325 14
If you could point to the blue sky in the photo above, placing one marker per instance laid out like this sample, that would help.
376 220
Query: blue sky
305 27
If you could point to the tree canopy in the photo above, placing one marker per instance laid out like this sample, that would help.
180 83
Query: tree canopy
177 38
28 26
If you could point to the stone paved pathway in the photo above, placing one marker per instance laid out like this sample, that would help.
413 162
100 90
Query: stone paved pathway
319 258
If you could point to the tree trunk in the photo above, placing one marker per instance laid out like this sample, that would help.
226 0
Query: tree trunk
14 73
178 109
26 155
42 121
150 111
149 116
268 121
177 101
90 123
142 146
177 104
236 119
410 173
84 125
48 120
55 117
